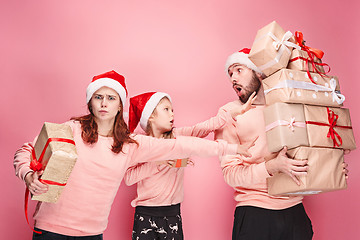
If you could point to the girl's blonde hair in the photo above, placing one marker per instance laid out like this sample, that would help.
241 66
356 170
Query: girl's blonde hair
149 131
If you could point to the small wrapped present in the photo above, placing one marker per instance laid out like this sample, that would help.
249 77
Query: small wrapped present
272 48
299 60
55 152
181 162
329 127
285 126
293 86
325 173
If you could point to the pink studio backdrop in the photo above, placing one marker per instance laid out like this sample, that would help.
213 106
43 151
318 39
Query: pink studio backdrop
51 49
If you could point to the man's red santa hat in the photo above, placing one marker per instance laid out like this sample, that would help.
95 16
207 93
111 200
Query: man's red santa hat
241 57
141 108
109 79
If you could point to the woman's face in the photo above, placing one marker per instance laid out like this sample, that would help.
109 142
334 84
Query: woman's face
105 104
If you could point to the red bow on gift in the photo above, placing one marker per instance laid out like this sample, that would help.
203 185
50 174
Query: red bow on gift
332 118
311 53
37 166
299 37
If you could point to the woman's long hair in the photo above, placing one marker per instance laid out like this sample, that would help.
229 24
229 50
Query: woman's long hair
120 132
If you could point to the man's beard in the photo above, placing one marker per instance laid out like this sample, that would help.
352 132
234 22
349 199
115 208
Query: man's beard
254 86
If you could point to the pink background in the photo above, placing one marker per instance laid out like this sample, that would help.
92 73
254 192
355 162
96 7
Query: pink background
51 49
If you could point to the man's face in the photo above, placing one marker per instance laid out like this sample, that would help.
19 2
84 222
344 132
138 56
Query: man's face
245 81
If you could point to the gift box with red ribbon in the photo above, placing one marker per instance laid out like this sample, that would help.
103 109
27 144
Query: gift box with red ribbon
272 48
181 163
300 60
55 153
329 127
294 125
325 173
294 86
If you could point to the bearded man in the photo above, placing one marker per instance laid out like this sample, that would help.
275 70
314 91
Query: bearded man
258 215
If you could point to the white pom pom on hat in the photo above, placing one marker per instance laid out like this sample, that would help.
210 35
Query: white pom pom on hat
241 57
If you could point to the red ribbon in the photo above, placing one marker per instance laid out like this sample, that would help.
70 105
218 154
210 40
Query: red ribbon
313 63
178 163
36 166
332 118
311 53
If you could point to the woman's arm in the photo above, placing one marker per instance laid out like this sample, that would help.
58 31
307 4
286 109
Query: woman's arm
23 171
154 149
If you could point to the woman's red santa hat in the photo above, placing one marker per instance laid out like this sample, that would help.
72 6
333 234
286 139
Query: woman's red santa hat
241 57
109 79
141 108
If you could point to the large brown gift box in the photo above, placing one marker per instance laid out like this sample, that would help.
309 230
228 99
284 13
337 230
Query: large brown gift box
298 61
285 126
329 127
58 160
272 48
293 86
325 173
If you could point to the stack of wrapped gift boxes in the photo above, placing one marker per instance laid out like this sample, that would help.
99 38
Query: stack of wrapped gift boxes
304 111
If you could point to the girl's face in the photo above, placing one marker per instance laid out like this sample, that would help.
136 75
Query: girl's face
162 119
105 104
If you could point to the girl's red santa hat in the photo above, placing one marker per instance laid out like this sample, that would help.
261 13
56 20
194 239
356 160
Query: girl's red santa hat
141 108
109 79
241 57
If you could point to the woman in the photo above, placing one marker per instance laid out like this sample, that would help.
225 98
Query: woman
105 150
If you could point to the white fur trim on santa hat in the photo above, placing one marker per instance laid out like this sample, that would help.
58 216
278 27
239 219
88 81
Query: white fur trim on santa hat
106 82
150 107
241 58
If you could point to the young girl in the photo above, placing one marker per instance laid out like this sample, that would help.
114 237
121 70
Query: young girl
160 187
105 150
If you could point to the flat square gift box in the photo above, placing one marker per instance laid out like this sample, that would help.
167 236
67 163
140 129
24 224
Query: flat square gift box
272 48
329 127
294 86
181 162
325 173
56 151
295 125
299 60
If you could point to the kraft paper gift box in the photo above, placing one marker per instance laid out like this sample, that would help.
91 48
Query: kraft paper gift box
272 48
59 158
329 127
293 125
293 86
325 173
298 61
285 126
181 162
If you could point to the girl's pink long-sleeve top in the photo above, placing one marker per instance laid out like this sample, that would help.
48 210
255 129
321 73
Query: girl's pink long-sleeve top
248 175
162 185
84 205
